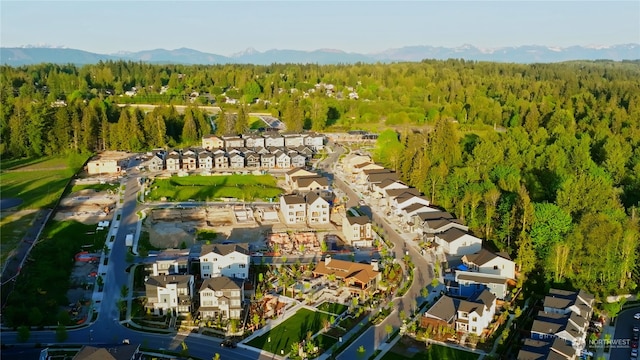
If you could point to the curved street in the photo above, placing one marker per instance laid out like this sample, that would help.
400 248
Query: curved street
108 329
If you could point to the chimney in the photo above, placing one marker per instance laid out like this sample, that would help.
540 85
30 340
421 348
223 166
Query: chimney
327 259
374 264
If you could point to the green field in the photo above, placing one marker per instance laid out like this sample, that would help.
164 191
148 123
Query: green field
96 187
44 280
434 352
333 308
292 330
39 183
205 188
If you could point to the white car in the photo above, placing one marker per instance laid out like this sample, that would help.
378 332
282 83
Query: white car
636 316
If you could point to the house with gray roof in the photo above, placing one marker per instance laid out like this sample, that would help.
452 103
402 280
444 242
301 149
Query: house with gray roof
268 161
169 294
231 260
466 283
457 242
357 229
488 262
221 297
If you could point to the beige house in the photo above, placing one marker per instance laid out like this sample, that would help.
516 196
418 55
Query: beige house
357 230
97 167
293 209
317 209
212 142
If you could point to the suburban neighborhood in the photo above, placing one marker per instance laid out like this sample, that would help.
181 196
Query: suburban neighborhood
344 250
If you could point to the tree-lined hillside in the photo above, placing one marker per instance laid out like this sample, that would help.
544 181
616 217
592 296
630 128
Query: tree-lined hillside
557 185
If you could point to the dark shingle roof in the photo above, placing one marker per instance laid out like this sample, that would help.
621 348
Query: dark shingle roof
293 199
164 280
360 220
110 352
224 249
482 257
444 309
304 181
451 235
220 283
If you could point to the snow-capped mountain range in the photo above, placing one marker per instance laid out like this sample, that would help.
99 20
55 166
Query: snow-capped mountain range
521 54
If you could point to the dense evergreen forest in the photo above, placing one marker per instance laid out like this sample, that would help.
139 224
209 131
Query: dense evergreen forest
556 184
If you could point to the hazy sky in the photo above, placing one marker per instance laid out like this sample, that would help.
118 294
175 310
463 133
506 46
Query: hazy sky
354 26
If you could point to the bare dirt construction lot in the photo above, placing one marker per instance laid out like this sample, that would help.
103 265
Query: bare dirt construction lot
168 228
87 206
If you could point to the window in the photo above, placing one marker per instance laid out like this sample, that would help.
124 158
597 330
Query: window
475 319
495 267
242 266
473 329
205 267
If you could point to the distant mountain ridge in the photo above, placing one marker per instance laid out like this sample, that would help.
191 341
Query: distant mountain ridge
521 54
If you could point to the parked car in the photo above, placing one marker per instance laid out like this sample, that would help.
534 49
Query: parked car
636 316
228 344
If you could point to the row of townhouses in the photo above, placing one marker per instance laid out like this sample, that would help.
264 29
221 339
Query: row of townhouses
236 158
313 141
559 331
475 272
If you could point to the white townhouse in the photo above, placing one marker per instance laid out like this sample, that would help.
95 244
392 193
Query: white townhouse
293 209
293 140
314 141
205 160
230 260
298 160
317 209
156 163
381 188
283 161
236 161
487 262
233 142
221 297
173 161
268 161
401 202
475 315
169 294
456 242
273 140
252 141
357 230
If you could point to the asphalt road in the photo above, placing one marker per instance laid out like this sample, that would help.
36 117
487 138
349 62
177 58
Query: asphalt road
423 275
621 342
107 329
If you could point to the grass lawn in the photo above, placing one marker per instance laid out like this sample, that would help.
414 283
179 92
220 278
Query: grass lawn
42 285
12 230
333 308
434 352
39 183
203 188
96 187
292 330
